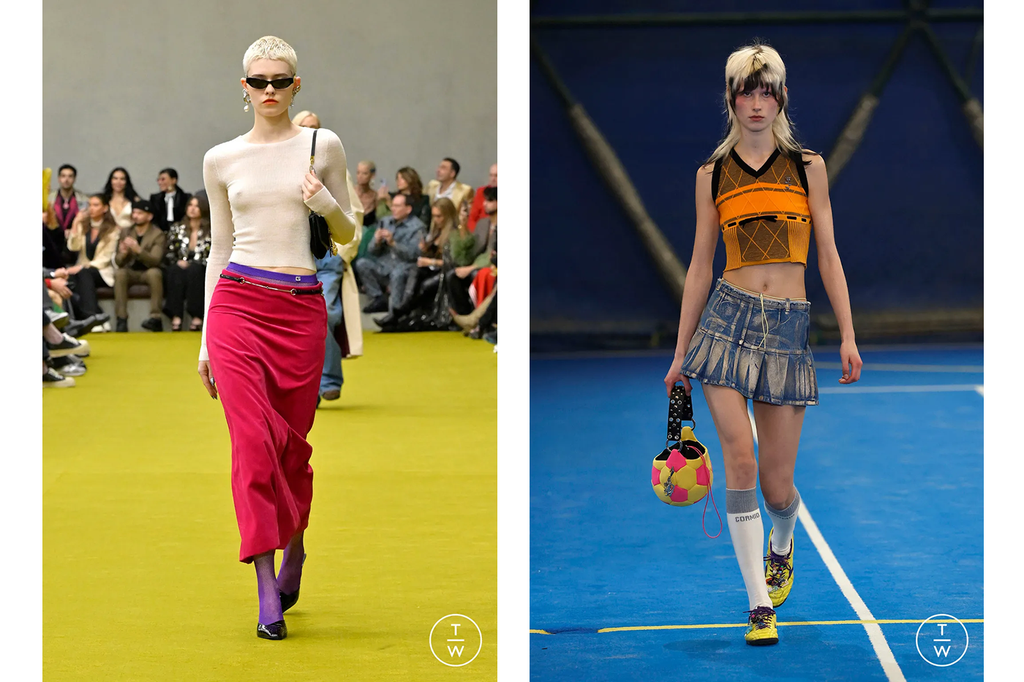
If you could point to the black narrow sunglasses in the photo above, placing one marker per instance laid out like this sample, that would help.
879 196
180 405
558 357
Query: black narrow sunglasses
278 83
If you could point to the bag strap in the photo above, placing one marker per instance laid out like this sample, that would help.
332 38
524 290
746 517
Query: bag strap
680 407
312 151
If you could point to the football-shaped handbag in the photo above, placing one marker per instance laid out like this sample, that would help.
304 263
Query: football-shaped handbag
681 473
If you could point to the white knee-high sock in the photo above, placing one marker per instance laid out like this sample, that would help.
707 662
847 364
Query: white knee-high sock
744 519
783 523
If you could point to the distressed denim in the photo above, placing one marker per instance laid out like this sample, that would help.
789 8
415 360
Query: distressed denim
755 345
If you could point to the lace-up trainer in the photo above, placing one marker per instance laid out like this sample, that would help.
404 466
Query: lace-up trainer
761 628
778 573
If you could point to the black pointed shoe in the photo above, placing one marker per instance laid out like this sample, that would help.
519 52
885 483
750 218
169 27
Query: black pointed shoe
273 631
288 600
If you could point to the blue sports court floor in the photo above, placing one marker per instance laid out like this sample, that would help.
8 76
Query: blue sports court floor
890 472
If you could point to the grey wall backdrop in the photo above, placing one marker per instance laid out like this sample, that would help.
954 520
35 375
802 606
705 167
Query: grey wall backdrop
149 84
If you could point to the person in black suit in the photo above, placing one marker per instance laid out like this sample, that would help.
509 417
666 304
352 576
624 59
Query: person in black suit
170 198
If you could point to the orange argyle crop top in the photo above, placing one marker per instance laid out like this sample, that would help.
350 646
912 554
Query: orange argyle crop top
764 214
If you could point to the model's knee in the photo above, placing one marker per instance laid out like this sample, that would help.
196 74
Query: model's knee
741 468
778 491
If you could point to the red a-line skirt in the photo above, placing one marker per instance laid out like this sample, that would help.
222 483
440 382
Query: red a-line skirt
266 353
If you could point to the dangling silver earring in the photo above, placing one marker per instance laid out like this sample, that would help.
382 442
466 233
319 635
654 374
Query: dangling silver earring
245 98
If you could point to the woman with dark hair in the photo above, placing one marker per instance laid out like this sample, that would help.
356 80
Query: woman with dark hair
266 322
767 196
188 248
407 181
118 195
93 236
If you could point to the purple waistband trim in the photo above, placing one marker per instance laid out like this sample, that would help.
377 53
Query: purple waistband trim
271 276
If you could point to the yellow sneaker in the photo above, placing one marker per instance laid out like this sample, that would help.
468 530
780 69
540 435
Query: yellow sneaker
761 628
778 573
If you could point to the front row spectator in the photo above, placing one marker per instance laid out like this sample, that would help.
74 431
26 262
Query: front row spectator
93 237
138 262
188 248
391 258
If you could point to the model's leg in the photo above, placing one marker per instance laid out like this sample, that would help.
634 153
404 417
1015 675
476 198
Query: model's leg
729 411
290 576
778 430
266 586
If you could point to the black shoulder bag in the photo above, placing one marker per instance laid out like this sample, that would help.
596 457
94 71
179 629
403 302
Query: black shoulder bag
320 241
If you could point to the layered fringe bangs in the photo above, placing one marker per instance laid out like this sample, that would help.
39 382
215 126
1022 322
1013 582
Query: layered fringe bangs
749 68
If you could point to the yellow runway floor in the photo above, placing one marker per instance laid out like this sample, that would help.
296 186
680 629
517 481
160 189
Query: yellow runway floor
141 578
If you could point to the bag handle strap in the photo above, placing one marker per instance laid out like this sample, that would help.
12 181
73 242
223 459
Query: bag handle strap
680 407
312 151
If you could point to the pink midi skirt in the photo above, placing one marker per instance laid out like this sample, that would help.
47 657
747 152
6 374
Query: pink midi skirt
266 348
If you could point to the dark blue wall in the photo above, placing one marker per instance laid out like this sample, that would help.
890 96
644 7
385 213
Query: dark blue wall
907 208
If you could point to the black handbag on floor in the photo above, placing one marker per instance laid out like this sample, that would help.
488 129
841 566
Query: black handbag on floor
320 241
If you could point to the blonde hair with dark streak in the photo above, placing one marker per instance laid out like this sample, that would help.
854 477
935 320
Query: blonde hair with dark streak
748 68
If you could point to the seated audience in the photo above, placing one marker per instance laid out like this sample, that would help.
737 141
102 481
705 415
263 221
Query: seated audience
93 237
188 248
169 203
446 185
407 181
479 255
425 303
477 210
393 251
119 194
365 172
67 201
138 262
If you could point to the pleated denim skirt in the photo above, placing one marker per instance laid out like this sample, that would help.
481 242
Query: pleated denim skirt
757 345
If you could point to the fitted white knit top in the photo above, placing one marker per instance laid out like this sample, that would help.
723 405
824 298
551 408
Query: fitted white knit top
257 215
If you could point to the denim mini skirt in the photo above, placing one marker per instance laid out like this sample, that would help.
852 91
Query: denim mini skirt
757 345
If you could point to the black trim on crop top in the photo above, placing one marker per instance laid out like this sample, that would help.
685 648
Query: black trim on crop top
747 169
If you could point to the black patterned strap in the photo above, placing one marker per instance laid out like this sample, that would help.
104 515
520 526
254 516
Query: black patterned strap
680 408
312 151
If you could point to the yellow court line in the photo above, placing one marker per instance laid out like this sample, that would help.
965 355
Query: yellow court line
810 622
539 632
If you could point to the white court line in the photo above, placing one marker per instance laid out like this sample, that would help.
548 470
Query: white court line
980 390
901 389
874 630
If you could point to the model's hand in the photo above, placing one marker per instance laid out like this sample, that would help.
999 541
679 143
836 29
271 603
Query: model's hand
310 185
850 359
424 262
674 376
208 380
464 271
61 273
75 269
183 264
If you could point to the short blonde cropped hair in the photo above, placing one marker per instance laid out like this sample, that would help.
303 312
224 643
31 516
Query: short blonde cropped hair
270 47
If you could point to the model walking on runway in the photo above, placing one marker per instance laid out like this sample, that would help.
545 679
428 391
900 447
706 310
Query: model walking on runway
766 195
265 320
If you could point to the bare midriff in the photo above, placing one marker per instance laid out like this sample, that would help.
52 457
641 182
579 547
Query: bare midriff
287 270
778 280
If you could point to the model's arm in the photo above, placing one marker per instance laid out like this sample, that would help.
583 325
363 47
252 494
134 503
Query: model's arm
831 268
698 276
222 232
348 251
332 200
